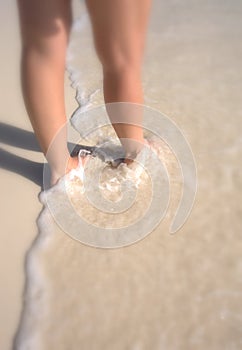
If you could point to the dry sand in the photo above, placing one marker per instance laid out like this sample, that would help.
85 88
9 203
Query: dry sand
19 202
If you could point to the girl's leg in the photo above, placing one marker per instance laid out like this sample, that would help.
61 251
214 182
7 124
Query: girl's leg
45 27
119 28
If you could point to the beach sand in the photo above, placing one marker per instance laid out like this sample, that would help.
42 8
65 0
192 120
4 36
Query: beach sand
165 292
20 206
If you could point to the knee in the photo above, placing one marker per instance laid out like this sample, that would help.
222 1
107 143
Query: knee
50 46
44 41
117 60
43 26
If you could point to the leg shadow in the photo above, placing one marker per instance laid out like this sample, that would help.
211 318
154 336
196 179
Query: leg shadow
22 166
20 138
16 137
13 136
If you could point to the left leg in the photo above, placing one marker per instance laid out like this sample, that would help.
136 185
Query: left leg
45 27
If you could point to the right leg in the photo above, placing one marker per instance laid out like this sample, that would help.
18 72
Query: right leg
119 28
45 27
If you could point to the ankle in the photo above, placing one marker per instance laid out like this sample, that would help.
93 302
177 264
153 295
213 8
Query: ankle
130 155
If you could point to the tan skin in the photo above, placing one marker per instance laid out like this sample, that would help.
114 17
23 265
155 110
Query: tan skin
119 28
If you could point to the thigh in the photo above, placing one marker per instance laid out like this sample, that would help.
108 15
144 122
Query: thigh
119 28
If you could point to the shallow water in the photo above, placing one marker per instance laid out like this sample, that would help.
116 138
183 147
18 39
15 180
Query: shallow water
180 291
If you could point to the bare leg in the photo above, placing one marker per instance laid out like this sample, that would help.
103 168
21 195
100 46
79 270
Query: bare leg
119 28
45 27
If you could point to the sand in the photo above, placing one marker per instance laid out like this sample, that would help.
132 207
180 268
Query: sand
166 292
19 202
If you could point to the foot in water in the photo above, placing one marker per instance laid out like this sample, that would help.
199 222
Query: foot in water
73 163
130 158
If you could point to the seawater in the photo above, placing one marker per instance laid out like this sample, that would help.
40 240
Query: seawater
164 292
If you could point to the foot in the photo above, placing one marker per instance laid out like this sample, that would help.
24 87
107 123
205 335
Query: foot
130 158
73 163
